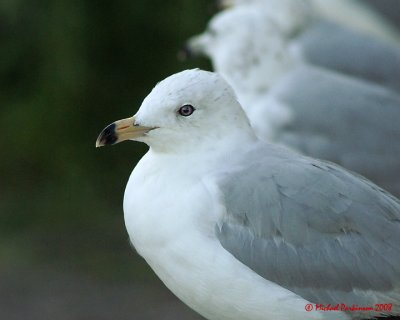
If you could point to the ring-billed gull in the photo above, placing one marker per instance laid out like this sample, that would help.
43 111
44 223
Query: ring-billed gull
253 36
241 229
321 113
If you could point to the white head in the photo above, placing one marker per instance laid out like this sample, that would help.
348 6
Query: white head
183 113
247 48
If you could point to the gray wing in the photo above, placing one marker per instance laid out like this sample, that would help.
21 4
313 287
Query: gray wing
334 47
340 119
312 227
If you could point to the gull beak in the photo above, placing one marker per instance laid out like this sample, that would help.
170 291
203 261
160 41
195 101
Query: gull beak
195 46
121 130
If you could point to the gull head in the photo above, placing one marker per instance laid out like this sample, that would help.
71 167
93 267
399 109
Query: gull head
237 28
288 17
183 112
245 46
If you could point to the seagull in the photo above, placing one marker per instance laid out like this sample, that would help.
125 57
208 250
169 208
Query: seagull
281 37
317 111
238 228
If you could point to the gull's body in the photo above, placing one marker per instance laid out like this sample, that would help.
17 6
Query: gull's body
241 229
184 251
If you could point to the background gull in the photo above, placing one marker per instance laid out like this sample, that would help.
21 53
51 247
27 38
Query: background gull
317 111
241 229
303 38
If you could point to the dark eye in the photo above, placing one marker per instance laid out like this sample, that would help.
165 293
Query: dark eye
186 110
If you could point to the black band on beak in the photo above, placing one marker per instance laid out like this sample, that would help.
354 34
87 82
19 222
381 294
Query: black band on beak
107 136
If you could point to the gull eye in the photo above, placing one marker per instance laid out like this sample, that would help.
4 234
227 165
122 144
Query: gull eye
186 110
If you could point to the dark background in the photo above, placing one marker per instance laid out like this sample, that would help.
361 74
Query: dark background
67 69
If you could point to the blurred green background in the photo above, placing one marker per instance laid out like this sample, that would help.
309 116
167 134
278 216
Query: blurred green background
67 69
